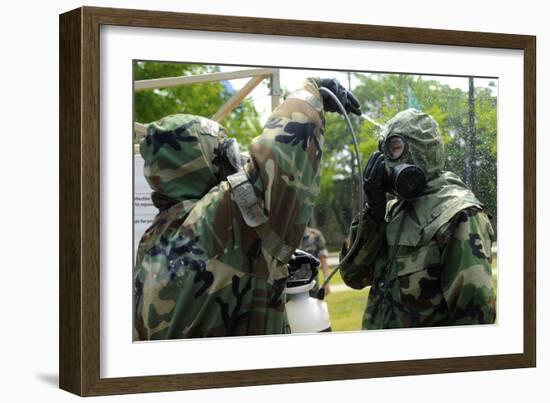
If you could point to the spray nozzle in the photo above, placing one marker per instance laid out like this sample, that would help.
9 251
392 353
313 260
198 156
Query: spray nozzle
380 126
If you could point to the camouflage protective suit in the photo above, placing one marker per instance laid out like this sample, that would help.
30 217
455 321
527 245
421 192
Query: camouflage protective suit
429 262
213 261
314 242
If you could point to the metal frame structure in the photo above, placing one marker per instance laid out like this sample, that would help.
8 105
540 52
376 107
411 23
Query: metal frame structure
256 76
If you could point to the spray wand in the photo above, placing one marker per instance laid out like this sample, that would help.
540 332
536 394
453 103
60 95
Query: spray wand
321 292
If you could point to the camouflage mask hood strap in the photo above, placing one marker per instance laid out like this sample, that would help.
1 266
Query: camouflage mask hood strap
253 215
442 199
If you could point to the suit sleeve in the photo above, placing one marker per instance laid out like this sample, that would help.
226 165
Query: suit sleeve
284 171
467 280
358 270
254 221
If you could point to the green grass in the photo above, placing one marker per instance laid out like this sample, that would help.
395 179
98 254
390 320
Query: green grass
337 278
346 309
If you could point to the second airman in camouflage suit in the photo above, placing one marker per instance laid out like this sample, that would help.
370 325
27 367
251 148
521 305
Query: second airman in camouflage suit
313 242
428 261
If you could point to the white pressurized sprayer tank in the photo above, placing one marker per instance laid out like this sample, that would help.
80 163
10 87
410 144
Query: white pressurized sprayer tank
306 314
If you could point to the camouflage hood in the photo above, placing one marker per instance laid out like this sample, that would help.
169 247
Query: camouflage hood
416 221
424 142
180 154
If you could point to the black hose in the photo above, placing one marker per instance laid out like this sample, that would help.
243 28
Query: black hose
321 292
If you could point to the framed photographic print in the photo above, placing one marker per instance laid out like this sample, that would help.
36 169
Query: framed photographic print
198 153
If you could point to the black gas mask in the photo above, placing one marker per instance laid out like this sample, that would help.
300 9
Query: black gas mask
229 159
405 180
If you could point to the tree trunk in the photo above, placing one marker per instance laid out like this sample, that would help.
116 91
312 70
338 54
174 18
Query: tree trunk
469 163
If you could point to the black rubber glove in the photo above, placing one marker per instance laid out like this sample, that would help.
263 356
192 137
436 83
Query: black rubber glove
299 258
302 268
348 100
375 182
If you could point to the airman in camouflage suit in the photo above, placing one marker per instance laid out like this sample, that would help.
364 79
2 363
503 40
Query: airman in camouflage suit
428 259
313 242
213 263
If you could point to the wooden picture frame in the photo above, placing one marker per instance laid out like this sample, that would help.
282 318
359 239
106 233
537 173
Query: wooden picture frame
80 200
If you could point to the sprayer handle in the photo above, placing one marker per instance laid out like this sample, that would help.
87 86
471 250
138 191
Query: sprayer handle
301 257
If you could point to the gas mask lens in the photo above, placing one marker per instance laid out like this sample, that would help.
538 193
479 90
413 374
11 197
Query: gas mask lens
394 147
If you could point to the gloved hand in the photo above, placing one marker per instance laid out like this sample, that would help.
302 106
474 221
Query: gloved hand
348 100
302 269
375 183
299 258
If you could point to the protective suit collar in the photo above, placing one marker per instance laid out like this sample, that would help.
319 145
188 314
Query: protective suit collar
443 197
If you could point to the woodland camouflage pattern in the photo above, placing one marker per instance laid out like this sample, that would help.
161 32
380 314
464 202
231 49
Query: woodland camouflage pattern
313 242
429 262
200 270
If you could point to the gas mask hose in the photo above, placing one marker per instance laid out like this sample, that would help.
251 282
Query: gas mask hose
321 292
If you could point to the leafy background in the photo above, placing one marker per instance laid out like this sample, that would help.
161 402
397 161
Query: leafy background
468 125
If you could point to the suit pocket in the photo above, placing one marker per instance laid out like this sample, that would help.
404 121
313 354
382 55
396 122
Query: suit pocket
419 274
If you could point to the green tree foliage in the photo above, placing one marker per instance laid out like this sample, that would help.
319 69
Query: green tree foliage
381 97
199 99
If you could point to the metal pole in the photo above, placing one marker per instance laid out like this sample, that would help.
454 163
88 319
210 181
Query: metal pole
275 89
169 82
237 98
471 151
